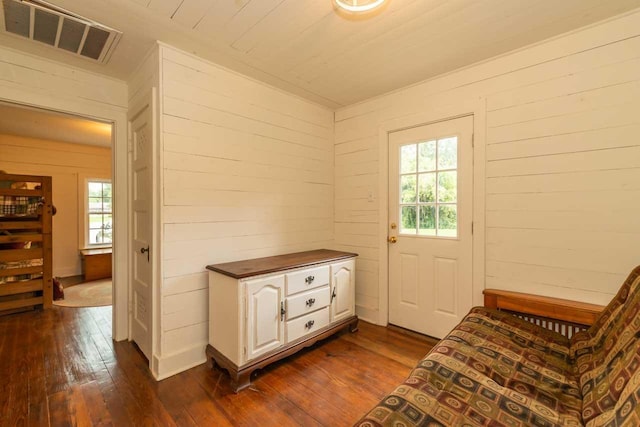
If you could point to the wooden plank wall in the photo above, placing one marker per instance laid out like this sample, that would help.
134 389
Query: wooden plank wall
562 164
64 162
247 172
35 80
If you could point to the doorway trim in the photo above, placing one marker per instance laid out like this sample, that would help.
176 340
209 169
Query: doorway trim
118 120
475 108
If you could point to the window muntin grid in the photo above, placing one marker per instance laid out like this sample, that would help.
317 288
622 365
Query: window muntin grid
99 213
428 188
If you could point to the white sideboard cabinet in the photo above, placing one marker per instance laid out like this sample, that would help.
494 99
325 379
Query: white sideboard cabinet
262 310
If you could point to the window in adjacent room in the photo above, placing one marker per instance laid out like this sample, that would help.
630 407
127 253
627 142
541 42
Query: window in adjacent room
99 224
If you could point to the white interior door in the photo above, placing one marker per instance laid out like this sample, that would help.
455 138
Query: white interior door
141 134
430 229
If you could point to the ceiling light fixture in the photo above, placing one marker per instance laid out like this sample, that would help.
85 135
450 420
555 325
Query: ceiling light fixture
358 6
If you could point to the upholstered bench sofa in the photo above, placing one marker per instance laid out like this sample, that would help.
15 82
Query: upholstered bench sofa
495 369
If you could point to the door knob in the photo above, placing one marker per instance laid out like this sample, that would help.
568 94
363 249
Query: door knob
392 239
143 250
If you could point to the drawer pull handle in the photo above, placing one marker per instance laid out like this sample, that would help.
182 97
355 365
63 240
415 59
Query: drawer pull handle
309 280
310 302
309 324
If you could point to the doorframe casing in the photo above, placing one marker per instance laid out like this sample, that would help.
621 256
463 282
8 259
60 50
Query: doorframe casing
475 108
117 117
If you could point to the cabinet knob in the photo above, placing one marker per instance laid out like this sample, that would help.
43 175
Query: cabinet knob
310 302
309 324
282 310
309 280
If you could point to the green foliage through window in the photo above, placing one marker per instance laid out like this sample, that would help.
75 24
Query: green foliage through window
429 188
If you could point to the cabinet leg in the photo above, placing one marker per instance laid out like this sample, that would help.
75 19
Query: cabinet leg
240 380
353 326
211 363
211 359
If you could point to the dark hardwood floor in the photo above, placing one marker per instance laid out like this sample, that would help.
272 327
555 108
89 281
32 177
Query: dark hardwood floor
60 367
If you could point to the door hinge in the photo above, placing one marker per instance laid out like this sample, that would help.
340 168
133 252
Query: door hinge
244 350
471 227
473 140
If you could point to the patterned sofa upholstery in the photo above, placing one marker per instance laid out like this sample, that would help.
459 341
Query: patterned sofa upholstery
495 369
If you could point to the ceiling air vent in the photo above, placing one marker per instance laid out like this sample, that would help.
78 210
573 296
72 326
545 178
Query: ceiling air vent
46 23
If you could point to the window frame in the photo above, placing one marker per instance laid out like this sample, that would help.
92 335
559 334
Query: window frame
83 211
436 203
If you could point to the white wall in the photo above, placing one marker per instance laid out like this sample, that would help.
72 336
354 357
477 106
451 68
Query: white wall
558 123
64 162
30 80
247 171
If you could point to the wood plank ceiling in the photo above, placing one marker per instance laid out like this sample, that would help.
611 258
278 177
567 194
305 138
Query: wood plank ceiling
305 47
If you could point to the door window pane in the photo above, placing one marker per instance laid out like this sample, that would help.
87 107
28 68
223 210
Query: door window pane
408 220
408 189
448 153
427 156
427 220
429 188
447 186
408 158
447 220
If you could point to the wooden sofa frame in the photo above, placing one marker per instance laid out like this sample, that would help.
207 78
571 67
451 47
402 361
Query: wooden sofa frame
563 316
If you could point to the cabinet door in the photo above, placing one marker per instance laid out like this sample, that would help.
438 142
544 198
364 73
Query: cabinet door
343 275
265 325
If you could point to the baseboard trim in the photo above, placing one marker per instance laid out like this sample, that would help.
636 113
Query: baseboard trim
167 366
370 315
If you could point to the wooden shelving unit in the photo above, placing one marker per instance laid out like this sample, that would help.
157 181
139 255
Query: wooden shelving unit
26 276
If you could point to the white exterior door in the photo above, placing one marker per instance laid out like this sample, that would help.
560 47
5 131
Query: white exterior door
141 134
342 286
265 315
430 226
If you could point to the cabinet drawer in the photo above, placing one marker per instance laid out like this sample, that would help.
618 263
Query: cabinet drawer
306 324
307 302
305 280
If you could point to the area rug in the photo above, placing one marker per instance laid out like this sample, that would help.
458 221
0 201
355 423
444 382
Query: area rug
89 294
